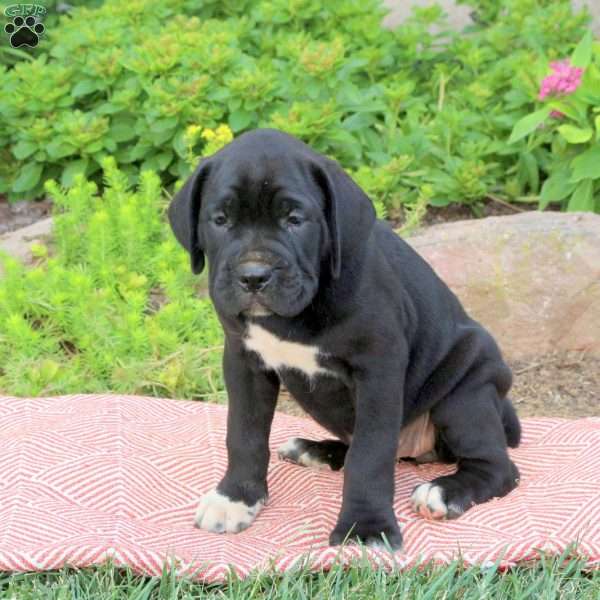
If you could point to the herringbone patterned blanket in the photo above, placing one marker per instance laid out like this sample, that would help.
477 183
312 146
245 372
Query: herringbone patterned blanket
85 477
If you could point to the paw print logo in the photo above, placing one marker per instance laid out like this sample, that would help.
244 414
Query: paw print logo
24 32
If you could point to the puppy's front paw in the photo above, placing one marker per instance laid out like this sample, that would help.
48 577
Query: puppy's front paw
217 513
370 534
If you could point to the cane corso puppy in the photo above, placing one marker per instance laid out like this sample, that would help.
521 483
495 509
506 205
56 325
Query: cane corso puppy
314 292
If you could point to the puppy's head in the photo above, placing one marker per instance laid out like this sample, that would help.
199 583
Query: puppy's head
274 218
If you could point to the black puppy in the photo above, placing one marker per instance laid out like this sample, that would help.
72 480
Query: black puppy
314 292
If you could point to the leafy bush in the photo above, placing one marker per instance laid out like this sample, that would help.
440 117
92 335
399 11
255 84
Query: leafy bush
418 117
569 126
115 307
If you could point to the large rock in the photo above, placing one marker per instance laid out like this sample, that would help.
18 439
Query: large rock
18 243
532 279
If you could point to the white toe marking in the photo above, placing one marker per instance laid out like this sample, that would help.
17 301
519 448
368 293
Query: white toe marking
290 451
427 501
217 513
289 448
419 496
307 460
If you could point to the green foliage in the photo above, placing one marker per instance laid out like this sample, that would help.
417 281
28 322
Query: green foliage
568 143
128 79
112 305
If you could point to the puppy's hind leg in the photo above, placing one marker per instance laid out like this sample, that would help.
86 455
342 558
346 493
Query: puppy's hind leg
473 430
325 454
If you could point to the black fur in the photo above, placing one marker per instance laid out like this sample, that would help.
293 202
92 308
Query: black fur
396 337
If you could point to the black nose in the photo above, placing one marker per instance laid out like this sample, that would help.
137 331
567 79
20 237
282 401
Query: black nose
254 276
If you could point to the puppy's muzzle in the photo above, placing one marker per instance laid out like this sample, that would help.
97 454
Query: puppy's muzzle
254 276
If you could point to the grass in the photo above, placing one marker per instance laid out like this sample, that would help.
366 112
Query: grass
549 578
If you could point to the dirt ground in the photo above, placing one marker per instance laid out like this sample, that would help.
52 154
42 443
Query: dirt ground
20 214
555 385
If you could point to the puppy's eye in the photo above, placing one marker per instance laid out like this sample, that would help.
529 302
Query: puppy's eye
293 220
220 220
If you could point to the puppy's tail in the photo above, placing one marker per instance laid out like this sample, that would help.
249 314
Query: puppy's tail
512 425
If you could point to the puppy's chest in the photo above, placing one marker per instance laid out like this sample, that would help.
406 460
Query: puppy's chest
279 354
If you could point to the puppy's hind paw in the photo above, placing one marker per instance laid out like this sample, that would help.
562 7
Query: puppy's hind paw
326 454
427 500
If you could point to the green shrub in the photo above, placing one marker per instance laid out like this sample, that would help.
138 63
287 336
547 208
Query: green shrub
415 114
115 307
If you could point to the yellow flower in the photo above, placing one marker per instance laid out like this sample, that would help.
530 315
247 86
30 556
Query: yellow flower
216 139
209 135
192 131
224 134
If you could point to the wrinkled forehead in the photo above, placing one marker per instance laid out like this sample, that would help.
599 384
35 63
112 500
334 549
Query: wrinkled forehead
262 181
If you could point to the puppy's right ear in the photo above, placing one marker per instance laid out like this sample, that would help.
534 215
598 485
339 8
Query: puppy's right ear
183 213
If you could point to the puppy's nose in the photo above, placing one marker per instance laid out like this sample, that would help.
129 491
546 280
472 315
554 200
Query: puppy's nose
254 276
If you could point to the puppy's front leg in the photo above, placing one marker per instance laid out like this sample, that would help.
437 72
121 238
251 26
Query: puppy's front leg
237 500
367 505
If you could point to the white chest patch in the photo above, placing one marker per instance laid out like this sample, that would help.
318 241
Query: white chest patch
277 353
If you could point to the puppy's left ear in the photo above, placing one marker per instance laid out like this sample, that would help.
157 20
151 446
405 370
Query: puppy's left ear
183 213
349 212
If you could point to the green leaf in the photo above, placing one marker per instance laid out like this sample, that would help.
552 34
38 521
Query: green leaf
556 188
587 164
589 90
108 108
528 167
358 121
84 87
180 144
597 123
158 162
527 124
23 149
73 168
575 135
59 149
164 125
583 197
239 119
110 144
28 178
122 129
582 55
439 201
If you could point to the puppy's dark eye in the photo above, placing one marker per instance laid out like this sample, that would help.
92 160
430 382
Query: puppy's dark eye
220 220
293 220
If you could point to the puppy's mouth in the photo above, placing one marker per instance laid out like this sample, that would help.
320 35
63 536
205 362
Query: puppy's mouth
257 309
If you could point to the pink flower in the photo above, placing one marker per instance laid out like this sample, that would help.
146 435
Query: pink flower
563 80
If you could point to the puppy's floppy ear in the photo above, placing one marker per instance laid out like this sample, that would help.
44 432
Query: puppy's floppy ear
349 212
183 213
